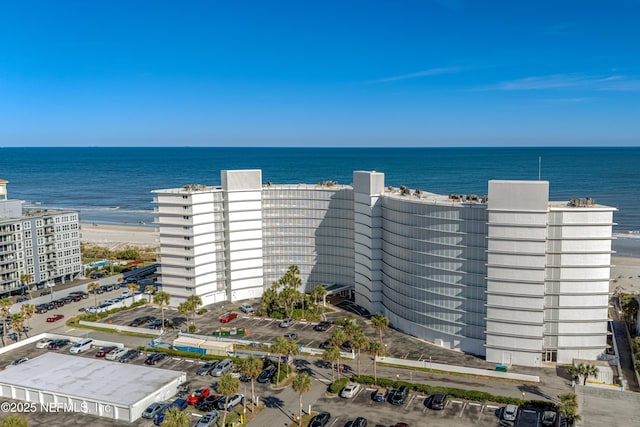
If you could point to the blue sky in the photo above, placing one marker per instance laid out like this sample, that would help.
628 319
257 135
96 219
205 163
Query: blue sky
319 73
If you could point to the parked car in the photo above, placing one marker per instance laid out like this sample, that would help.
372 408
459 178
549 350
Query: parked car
129 356
58 344
154 358
324 345
41 308
291 336
209 403
246 308
184 388
399 395
549 418
438 401
156 323
322 326
380 395
266 374
209 419
206 368
358 422
54 318
181 404
104 351
350 390
43 343
153 409
198 395
287 322
222 367
233 401
228 317
116 354
19 361
320 420
509 412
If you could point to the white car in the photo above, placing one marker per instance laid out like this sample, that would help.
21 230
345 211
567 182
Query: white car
43 343
287 322
509 412
350 390
234 401
115 354
246 308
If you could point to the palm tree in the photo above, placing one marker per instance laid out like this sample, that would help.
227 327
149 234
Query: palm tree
590 371
331 354
359 342
14 421
193 303
568 407
375 349
93 287
25 279
227 386
28 310
5 309
352 329
380 322
161 299
301 384
318 293
292 349
174 417
133 288
338 337
280 346
269 298
251 368
17 324
150 290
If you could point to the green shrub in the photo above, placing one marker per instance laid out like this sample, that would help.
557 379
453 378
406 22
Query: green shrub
336 386
202 311
284 371
343 321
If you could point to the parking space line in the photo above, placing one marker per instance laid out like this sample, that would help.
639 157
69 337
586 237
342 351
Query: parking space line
176 358
491 407
473 404
464 405
309 343
480 413
455 401
413 396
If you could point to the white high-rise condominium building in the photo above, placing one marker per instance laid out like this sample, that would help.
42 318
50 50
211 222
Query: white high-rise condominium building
510 276
36 245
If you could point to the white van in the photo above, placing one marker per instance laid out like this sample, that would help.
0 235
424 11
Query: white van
246 308
222 368
81 346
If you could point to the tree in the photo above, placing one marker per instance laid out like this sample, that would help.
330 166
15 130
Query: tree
280 346
359 342
5 309
376 348
161 299
193 303
227 386
25 279
251 368
133 288
269 299
380 322
331 354
28 310
93 287
150 290
590 371
568 407
318 293
338 337
351 329
17 324
301 384
14 421
174 417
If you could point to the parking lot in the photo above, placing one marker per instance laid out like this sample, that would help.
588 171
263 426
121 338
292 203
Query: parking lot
414 412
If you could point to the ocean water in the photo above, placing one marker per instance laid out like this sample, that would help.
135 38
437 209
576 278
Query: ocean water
113 185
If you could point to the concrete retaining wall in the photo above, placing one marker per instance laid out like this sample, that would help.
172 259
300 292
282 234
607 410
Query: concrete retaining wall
458 369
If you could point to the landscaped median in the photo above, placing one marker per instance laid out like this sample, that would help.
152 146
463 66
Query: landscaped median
90 321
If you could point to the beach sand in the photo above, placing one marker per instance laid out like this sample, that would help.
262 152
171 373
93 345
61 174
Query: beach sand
115 237
625 271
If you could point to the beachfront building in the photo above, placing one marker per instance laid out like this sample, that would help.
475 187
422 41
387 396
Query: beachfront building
510 276
37 246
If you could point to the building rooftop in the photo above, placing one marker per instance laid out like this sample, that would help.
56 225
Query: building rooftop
90 378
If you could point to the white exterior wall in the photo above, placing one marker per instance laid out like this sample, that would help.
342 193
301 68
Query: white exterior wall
243 233
368 187
517 215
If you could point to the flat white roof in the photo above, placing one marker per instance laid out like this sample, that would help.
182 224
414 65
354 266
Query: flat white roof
87 378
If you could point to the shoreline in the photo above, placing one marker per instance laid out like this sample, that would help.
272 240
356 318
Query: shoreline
625 263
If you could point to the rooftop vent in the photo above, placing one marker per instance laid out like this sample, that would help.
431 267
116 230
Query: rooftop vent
582 202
